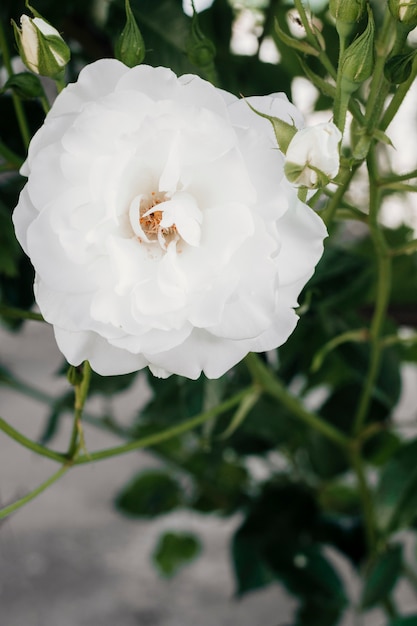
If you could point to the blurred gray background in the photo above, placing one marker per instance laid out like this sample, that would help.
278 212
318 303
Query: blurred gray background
69 559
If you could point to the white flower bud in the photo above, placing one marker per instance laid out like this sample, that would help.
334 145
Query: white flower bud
312 157
41 47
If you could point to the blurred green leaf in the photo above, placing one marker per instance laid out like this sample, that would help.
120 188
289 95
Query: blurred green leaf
251 569
149 494
174 550
382 577
25 85
110 385
396 493
409 620
9 248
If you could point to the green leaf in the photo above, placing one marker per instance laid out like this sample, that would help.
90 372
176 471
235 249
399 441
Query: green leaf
251 570
174 550
25 85
409 620
396 494
150 494
381 577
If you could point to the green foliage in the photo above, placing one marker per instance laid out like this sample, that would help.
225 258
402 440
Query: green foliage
293 488
149 494
396 494
174 550
410 620
382 577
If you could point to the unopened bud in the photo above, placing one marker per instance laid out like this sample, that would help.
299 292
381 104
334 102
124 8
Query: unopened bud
41 47
404 11
347 13
358 60
398 68
312 157
200 49
130 47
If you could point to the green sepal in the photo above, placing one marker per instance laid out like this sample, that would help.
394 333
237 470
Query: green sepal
296 44
284 132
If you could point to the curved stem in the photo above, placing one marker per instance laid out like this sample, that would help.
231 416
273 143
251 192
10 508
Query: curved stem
7 510
169 433
28 443
272 386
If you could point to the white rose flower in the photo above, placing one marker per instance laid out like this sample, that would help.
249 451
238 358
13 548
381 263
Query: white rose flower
160 225
312 157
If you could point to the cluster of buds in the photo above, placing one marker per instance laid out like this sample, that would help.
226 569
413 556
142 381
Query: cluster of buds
40 45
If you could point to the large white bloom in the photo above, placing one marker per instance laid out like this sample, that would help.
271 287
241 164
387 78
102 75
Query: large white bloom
160 224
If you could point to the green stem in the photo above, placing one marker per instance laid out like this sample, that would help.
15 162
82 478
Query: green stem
366 499
396 178
242 411
169 433
11 508
379 86
333 204
382 295
273 387
14 313
357 335
81 392
28 443
18 106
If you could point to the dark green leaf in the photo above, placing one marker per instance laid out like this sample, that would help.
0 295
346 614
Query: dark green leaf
408 620
381 577
396 494
174 550
251 569
25 85
150 494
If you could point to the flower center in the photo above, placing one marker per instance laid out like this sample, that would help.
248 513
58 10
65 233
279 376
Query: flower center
158 218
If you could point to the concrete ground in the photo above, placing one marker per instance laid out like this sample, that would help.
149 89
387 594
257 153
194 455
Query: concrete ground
69 559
